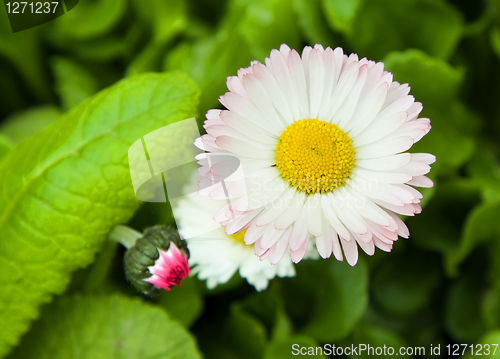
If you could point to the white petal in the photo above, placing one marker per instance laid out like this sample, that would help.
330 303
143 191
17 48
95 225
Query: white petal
275 209
335 222
279 66
367 247
270 237
380 128
324 243
241 221
246 109
313 206
268 81
350 251
292 212
383 246
278 250
424 157
299 232
301 252
243 148
346 111
384 148
316 76
299 83
337 251
243 125
261 100
253 233
346 81
386 163
384 177
402 228
338 205
421 181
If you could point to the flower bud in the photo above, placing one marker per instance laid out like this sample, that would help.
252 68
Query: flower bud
157 260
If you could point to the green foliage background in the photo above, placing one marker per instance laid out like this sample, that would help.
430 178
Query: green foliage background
77 92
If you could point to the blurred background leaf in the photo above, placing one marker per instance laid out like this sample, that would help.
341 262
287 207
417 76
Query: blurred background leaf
114 327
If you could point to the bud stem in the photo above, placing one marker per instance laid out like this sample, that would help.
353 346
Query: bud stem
124 235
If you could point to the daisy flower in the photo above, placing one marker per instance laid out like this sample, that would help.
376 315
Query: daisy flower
322 139
216 256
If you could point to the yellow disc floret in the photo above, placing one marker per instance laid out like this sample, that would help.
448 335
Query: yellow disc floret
239 236
314 156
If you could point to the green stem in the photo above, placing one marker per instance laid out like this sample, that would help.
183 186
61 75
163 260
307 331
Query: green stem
124 235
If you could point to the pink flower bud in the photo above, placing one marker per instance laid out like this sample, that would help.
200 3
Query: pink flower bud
170 268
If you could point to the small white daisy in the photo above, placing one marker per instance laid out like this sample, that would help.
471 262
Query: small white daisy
321 138
217 258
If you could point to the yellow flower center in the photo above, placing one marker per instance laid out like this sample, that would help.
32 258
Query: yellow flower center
238 237
314 156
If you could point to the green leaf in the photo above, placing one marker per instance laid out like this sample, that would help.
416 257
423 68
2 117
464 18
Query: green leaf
313 24
495 40
290 347
417 69
67 185
403 286
184 303
439 226
248 31
22 125
5 146
23 50
341 14
463 316
379 27
83 327
268 308
366 336
73 83
329 298
436 85
167 18
239 336
481 225
484 169
90 19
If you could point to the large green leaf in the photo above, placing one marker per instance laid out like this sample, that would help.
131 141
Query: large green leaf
64 188
104 327
22 125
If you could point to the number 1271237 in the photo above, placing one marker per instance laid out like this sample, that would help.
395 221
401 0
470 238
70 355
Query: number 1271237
22 7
